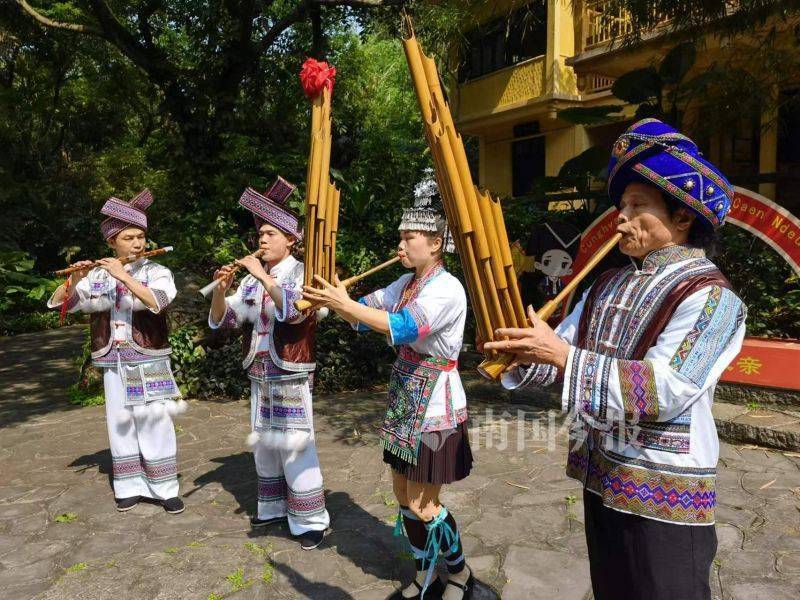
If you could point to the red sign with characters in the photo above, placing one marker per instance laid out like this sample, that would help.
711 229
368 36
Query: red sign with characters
770 363
772 223
762 362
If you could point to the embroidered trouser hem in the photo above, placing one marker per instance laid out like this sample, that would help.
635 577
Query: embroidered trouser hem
290 485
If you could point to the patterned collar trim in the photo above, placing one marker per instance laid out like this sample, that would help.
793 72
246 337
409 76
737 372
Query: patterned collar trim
416 284
662 257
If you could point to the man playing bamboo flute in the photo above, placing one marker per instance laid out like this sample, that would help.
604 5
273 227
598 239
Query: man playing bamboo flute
278 348
129 343
424 434
640 356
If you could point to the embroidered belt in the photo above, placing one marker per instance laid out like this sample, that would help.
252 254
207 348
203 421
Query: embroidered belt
407 354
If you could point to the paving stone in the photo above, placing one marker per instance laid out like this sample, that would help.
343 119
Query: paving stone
519 534
557 574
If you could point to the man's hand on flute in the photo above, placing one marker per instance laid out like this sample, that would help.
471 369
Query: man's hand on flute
535 344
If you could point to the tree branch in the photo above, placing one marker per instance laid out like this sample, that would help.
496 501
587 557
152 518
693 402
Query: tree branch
300 11
47 22
280 26
358 3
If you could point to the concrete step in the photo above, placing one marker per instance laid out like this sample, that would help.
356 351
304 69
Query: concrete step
773 426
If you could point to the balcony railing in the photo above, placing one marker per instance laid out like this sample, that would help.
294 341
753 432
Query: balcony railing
592 84
509 86
604 21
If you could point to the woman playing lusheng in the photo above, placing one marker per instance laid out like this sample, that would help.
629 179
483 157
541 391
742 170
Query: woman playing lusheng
129 338
424 433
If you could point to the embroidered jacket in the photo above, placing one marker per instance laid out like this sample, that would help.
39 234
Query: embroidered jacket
277 342
427 316
647 349
123 328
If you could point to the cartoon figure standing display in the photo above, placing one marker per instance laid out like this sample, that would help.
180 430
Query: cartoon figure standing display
548 257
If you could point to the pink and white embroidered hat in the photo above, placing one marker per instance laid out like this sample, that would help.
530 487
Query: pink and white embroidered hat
271 208
122 215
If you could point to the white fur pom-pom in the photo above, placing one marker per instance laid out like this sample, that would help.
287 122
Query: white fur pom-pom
252 438
322 313
177 407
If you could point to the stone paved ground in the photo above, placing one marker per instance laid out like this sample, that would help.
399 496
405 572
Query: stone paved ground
521 518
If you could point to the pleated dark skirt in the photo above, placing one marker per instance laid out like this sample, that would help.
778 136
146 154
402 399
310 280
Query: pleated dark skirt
444 457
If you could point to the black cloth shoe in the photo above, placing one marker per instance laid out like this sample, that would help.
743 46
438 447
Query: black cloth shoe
256 522
466 588
434 591
311 539
173 505
124 504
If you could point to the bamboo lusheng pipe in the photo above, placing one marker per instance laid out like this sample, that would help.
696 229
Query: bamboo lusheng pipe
494 368
206 290
464 248
485 251
508 261
481 307
128 259
303 305
498 270
468 198
332 223
455 209
324 185
313 180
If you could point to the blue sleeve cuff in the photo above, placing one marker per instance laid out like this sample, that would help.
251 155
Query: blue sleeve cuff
403 328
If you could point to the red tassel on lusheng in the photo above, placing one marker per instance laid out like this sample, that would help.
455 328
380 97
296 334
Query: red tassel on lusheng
315 76
63 312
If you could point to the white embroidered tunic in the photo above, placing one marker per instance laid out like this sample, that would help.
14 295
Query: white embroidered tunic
284 402
146 373
426 322
644 438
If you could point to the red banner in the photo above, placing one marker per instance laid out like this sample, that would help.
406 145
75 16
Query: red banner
768 363
766 220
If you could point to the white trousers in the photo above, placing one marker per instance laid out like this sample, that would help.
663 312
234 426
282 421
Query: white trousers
289 477
143 445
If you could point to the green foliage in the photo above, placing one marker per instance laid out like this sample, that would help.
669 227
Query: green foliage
22 293
82 395
638 86
268 573
14 323
66 518
81 566
237 580
764 281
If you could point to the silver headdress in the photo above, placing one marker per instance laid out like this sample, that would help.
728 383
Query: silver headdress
427 207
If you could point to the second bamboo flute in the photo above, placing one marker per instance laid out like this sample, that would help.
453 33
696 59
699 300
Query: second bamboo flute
210 287
302 305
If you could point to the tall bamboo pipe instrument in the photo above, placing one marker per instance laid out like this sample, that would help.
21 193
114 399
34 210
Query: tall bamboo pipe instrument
303 305
128 259
322 196
494 368
474 217
206 290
